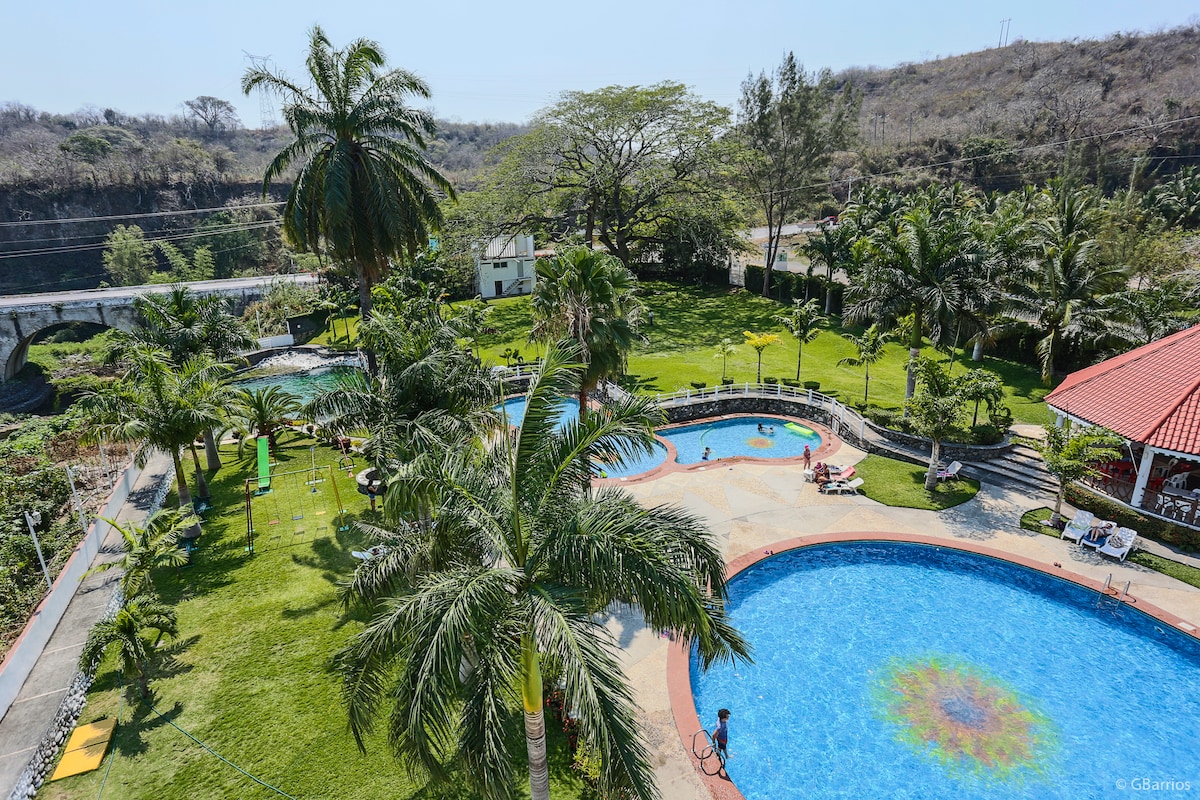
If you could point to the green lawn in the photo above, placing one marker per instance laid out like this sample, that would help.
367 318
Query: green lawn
899 483
1032 521
250 674
689 321
336 337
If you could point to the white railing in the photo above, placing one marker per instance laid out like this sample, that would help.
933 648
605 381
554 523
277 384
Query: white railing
841 416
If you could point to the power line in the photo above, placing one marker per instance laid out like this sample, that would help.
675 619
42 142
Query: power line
137 216
80 248
219 228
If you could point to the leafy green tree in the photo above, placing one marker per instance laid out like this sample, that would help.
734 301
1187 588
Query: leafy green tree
934 410
804 322
200 267
981 386
724 350
128 257
1135 317
146 546
127 632
869 347
790 124
760 342
622 164
829 248
216 114
262 411
589 298
364 190
1178 200
1072 452
507 576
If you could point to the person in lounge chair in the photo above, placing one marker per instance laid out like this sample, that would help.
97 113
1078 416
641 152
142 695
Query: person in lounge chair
1097 535
822 475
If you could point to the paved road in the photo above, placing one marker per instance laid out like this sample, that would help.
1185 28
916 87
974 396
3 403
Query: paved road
119 292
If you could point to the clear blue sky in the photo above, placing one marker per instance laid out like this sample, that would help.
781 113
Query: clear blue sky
500 61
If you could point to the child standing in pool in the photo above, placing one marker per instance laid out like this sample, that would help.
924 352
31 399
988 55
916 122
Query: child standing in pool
707 453
720 735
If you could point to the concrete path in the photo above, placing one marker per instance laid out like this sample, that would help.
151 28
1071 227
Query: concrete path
750 507
35 706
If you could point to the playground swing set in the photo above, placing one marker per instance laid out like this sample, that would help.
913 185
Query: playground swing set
296 497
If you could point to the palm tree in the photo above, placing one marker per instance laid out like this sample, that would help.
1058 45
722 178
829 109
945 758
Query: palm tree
262 411
126 630
981 386
186 324
724 350
163 406
1064 284
870 350
588 297
803 322
365 191
1071 453
146 546
926 266
831 248
507 577
760 342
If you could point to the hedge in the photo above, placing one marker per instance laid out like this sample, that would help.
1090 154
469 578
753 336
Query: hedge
789 286
1150 527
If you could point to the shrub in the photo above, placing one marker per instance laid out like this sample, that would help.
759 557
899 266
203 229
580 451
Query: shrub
987 434
698 384
727 381
790 382
814 385
771 381
1150 527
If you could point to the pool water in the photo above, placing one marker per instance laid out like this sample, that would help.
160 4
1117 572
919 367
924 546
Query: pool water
306 384
514 410
739 436
899 670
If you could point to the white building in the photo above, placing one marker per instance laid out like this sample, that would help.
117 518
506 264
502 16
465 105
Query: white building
505 267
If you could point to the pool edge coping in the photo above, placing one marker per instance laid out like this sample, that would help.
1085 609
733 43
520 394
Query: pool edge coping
679 684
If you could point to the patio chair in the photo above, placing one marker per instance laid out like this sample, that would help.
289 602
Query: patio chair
842 487
1098 535
1119 544
950 473
1078 526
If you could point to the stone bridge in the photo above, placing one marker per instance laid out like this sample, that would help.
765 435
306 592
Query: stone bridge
23 316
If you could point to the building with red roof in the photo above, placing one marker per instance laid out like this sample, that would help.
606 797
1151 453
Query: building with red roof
1150 396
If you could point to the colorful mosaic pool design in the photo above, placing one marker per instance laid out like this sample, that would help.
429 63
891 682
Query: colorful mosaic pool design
760 442
968 720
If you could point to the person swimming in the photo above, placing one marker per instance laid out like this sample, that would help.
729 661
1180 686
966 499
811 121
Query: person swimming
706 454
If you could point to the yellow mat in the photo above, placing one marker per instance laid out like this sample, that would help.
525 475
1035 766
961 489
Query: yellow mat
85 749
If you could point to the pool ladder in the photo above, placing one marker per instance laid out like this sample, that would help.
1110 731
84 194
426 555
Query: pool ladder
706 752
1121 598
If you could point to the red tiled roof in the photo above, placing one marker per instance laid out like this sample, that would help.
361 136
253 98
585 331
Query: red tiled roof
1149 395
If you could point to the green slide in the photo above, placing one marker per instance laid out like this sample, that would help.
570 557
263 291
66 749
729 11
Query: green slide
264 464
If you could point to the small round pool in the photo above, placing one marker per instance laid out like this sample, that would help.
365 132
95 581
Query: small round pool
513 410
898 670
306 384
741 436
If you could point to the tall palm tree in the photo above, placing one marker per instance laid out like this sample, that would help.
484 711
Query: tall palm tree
186 324
804 322
508 575
262 411
926 266
829 248
163 406
154 543
869 347
760 342
127 632
588 297
365 191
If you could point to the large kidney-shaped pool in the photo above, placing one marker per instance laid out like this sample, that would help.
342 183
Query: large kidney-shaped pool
898 670
756 437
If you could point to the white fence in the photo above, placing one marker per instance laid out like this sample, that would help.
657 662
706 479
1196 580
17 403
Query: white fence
841 416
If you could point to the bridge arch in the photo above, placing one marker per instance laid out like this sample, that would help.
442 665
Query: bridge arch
19 327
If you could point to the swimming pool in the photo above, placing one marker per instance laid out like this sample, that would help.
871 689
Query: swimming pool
305 385
740 436
514 410
889 669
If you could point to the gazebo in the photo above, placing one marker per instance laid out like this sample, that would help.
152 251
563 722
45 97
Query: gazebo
1151 397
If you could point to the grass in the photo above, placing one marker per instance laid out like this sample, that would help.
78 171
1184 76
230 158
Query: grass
690 321
899 483
251 675
334 335
1032 521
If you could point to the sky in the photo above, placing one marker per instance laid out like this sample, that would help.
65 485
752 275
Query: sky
501 62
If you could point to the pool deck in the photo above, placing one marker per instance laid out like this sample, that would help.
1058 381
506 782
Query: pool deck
753 507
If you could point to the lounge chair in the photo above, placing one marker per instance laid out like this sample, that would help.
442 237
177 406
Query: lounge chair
950 473
1104 529
1078 526
1119 544
842 487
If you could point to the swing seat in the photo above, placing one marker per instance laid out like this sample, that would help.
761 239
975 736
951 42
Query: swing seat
297 516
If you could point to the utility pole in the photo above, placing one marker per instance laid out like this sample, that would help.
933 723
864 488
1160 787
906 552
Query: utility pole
1005 25
910 121
31 520
883 127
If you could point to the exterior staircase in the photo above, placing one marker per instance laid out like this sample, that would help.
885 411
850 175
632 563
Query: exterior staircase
1021 468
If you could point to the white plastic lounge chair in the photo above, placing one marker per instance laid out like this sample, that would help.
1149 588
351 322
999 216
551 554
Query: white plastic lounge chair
361 555
1119 544
841 487
1106 529
950 473
1078 526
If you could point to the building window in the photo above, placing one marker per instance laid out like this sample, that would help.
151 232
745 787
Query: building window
499 265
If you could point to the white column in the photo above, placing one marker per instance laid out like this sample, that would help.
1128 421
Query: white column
1143 475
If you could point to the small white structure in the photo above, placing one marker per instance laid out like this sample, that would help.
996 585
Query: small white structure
505 267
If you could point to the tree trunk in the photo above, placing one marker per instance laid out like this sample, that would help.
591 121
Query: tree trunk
535 720
185 495
364 309
211 453
866 386
829 291
914 351
975 416
977 353
201 483
931 478
1056 517
143 682
759 367
799 355
583 401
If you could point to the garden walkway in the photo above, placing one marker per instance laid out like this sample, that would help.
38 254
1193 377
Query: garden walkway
36 705
752 506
